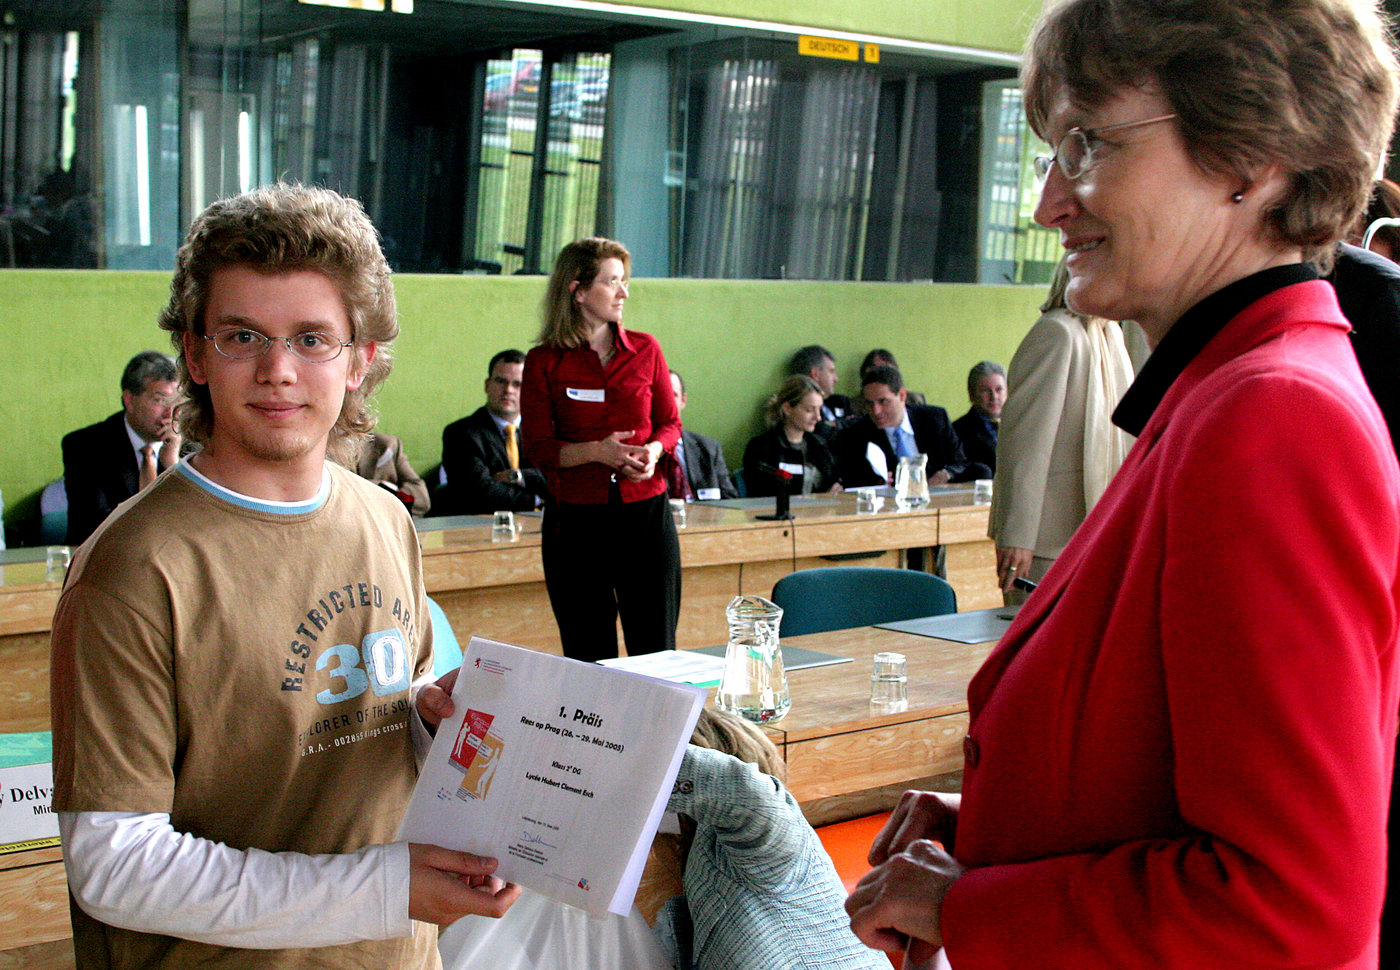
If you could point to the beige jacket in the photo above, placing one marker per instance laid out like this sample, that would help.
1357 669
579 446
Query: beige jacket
1040 497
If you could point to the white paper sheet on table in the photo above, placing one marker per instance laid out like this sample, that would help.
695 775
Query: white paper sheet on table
681 666
878 463
559 769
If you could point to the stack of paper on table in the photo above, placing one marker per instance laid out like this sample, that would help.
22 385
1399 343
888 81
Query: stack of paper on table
561 770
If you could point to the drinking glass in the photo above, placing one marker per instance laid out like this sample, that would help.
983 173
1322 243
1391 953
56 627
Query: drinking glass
889 683
503 527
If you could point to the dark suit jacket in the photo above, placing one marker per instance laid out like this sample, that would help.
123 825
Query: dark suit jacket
933 434
99 473
704 465
843 415
473 450
1368 291
979 443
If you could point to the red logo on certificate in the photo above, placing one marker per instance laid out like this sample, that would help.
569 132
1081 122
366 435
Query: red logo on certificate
469 738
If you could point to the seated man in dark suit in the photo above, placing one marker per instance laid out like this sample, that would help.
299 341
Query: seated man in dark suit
818 363
701 474
483 467
106 463
977 429
892 429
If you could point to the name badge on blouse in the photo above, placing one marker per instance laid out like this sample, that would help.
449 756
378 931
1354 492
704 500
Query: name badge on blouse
707 494
790 467
593 394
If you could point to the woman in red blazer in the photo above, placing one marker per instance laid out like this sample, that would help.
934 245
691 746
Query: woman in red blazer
1179 756
597 412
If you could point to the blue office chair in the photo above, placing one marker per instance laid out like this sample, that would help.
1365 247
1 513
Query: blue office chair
53 514
736 475
447 652
841 597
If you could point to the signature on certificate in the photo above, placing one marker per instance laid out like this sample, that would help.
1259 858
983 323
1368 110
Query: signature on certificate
530 838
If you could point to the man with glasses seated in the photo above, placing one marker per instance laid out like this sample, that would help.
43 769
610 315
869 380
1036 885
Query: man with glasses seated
483 469
106 463
239 654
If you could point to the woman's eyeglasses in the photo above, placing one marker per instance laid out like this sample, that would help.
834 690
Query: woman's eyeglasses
1075 152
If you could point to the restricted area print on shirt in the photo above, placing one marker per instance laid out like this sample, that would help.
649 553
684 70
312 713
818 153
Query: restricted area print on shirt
377 671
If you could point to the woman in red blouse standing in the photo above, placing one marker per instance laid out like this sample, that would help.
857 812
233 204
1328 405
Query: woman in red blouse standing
597 413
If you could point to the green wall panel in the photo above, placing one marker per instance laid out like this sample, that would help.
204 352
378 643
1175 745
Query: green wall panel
992 24
67 335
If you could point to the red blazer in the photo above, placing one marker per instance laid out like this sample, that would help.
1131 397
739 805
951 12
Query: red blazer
567 397
1180 753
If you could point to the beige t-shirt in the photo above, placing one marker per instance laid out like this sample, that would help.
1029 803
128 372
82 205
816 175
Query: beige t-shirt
244 667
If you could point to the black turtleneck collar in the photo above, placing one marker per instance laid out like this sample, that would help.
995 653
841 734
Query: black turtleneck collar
1189 336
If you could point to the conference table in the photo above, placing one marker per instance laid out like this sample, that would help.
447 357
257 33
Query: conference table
496 589
844 759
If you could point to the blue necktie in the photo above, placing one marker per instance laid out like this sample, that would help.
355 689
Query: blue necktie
902 445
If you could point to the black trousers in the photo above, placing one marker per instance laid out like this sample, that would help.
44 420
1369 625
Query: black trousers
602 561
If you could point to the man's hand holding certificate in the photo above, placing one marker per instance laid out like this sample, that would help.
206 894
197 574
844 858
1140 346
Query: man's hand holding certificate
559 769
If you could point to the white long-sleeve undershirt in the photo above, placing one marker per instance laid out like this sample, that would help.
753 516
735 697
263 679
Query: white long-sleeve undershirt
135 871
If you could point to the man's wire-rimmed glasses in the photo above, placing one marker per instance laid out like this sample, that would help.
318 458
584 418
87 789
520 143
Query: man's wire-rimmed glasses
314 347
1075 152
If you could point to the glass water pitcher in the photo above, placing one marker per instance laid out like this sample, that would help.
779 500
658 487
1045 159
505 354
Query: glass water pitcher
754 685
911 482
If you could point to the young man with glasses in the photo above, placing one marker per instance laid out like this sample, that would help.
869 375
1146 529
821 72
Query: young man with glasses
236 654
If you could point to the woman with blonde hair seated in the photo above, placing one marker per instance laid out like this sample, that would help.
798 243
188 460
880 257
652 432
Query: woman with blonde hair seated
789 450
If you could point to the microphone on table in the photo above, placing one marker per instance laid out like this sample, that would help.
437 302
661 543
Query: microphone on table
780 505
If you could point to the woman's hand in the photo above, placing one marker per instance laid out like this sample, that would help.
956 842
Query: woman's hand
836 489
1011 562
614 452
919 815
647 467
901 900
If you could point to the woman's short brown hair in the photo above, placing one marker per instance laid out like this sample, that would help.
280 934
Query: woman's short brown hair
577 262
1307 84
277 229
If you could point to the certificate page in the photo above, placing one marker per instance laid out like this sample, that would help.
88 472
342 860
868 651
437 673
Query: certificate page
559 769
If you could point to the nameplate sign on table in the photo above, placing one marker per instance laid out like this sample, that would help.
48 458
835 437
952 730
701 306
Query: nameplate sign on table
561 770
27 820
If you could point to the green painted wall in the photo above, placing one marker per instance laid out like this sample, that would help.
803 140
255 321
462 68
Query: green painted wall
990 24
67 334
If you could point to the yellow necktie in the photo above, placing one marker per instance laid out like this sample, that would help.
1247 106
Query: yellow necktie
148 465
512 448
